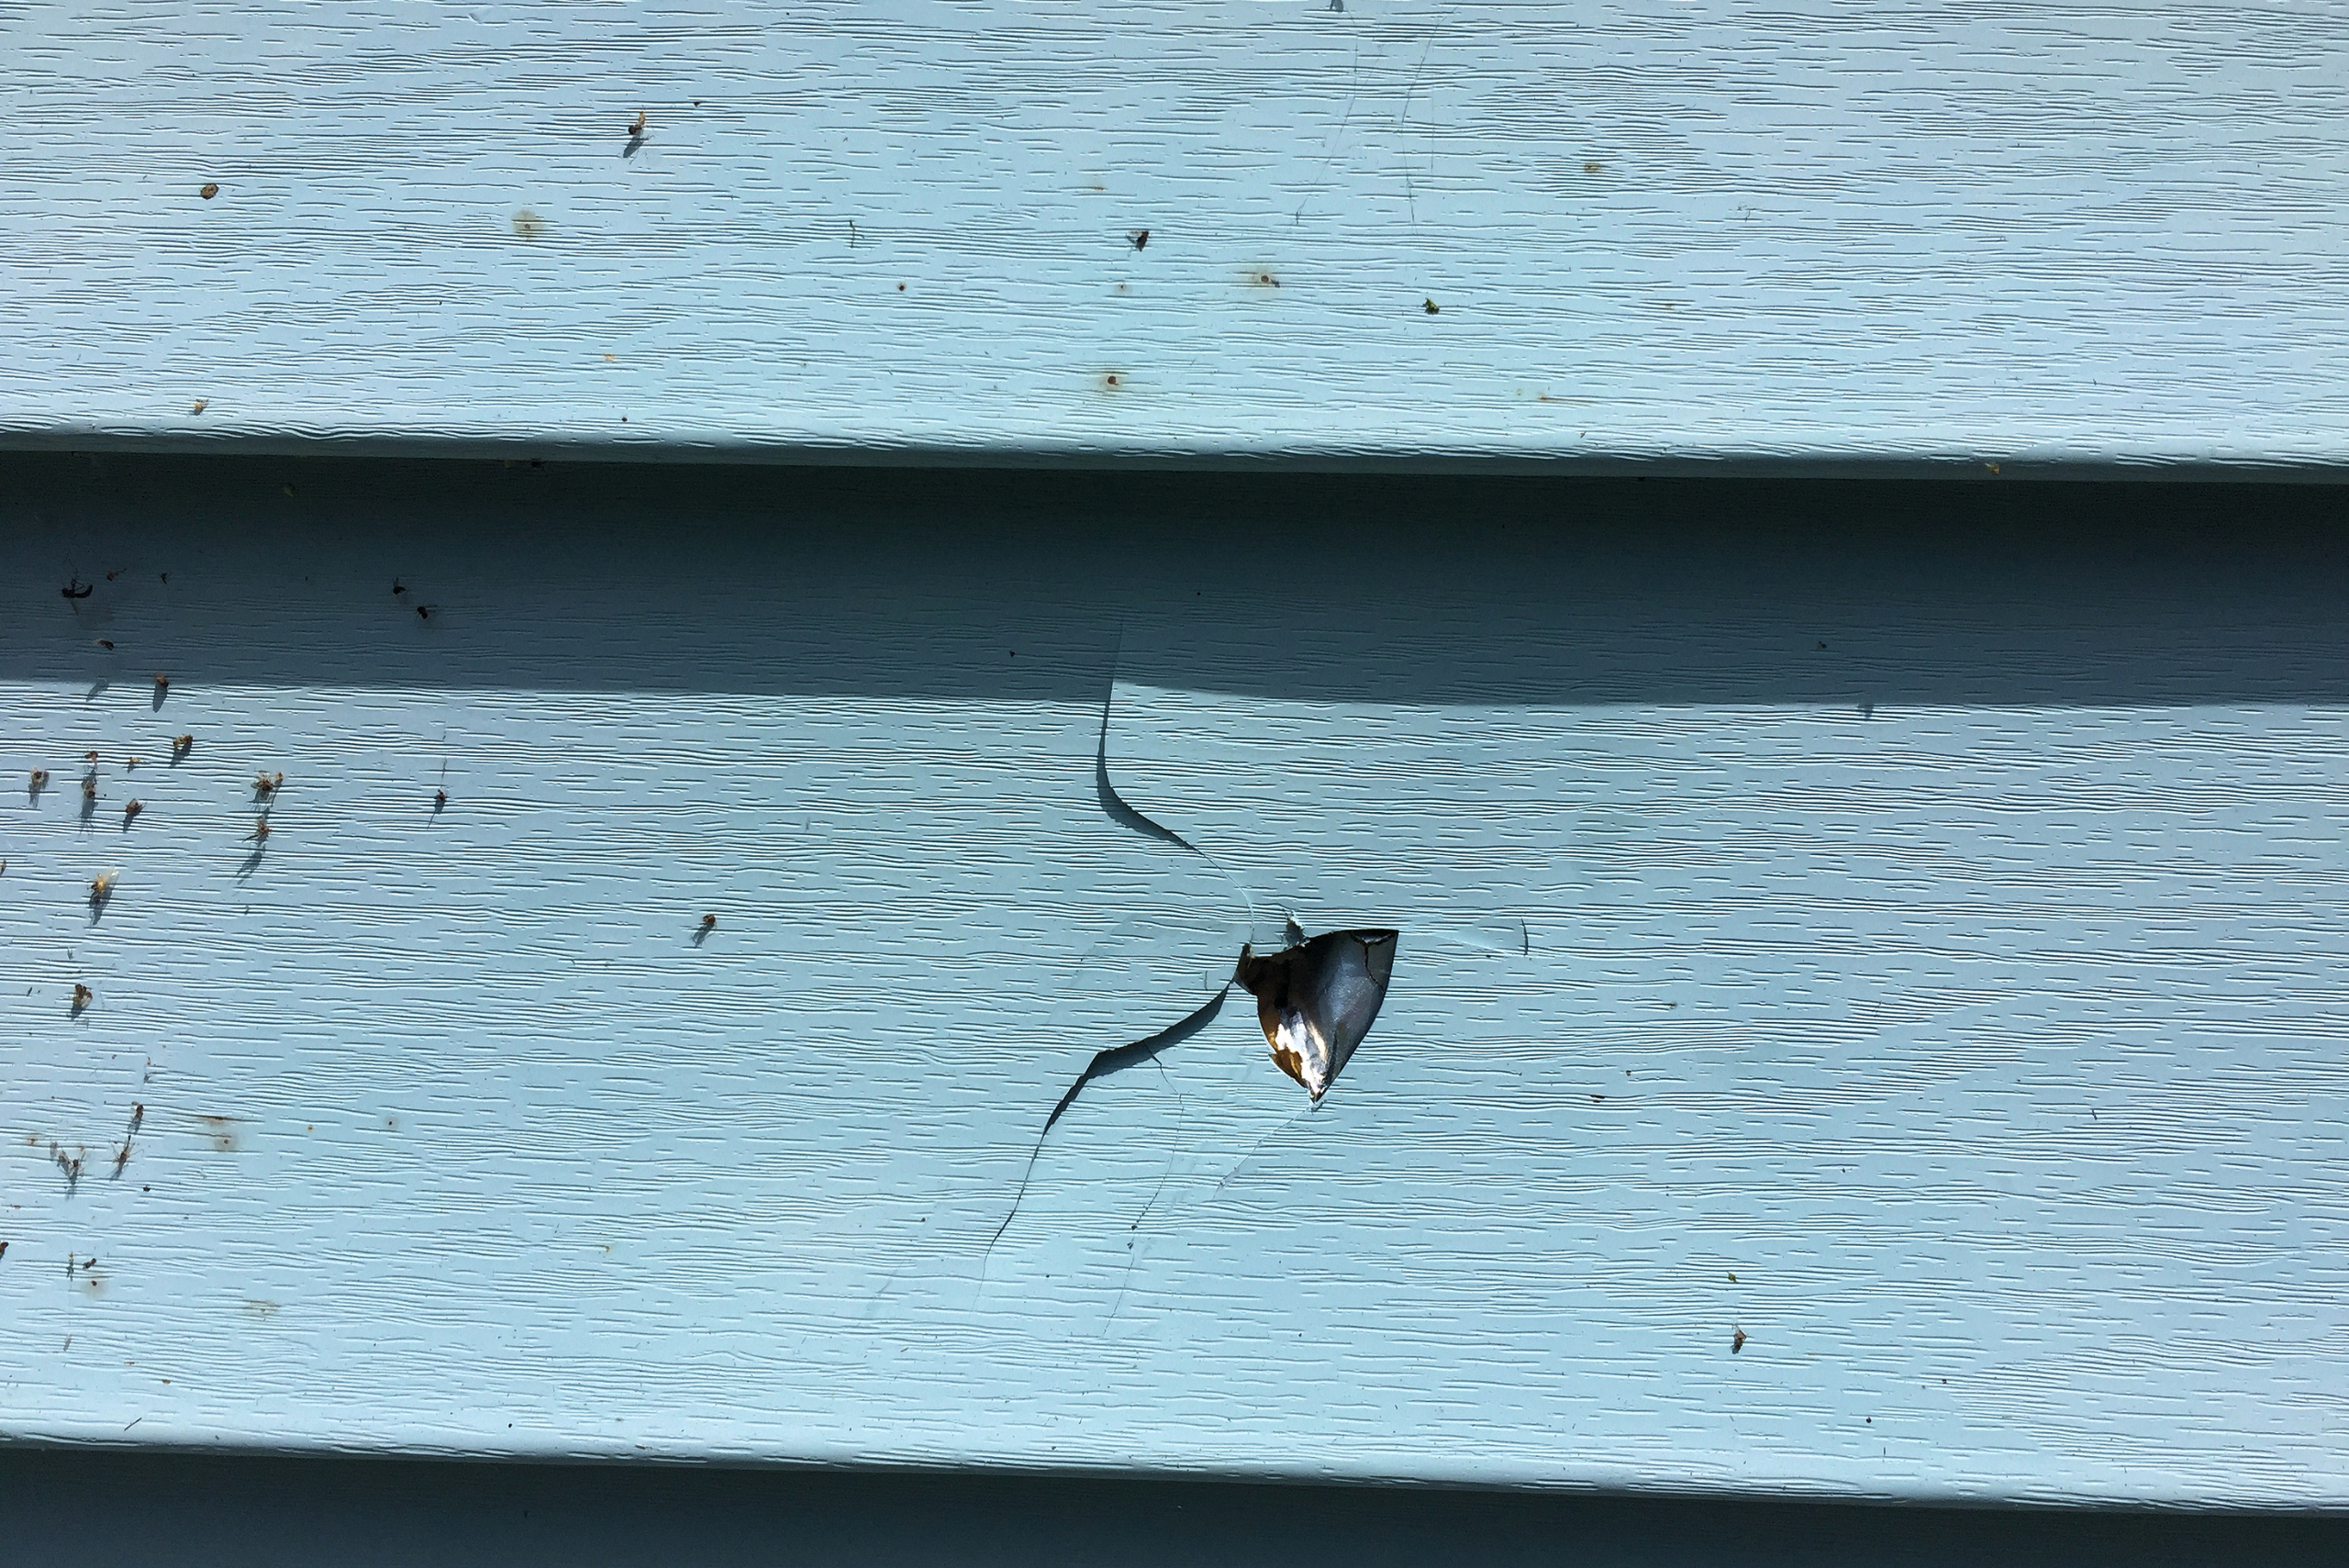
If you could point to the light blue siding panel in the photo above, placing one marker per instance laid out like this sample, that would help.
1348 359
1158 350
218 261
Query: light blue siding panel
1911 948
1810 236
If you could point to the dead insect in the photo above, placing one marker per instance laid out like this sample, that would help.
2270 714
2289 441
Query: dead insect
76 589
261 831
40 779
183 744
102 887
1316 1000
635 126
199 406
102 642
131 813
709 922
91 758
1431 307
398 587
137 1116
90 787
423 612
208 190
440 799
161 681
128 763
1139 239
82 997
267 784
1737 1342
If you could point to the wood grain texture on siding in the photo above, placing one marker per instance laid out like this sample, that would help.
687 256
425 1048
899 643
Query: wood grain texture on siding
1925 967
1994 234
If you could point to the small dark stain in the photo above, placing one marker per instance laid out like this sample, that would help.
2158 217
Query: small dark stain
423 612
1264 280
901 288
105 643
208 190
398 587
529 225
1431 307
76 589
1111 381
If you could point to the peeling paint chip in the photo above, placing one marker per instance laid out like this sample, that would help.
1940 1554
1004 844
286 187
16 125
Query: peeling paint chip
1316 1000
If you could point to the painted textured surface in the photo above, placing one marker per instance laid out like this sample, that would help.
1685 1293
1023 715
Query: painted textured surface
1925 968
2000 233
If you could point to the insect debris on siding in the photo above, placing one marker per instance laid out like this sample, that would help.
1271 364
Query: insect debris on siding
182 745
82 998
122 1155
267 784
76 589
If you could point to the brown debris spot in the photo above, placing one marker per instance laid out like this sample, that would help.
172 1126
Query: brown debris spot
1264 280
527 225
208 190
1111 381
1591 168
222 1132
